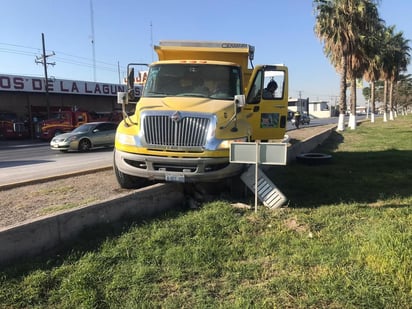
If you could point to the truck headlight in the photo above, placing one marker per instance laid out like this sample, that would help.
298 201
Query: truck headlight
125 139
226 143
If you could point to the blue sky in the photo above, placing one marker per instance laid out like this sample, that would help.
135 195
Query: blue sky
124 30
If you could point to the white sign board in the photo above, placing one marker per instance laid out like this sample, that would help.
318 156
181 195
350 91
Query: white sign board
258 153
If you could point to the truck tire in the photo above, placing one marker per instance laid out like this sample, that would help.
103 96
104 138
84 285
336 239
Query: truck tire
84 145
312 158
127 181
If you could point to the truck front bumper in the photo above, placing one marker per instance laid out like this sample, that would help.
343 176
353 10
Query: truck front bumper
176 169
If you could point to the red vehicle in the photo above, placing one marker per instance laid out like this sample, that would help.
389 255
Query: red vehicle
11 127
65 121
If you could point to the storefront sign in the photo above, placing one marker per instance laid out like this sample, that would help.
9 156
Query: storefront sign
35 84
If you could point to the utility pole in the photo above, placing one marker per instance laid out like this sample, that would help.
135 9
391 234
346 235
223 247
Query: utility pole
299 108
43 60
118 71
93 40
151 39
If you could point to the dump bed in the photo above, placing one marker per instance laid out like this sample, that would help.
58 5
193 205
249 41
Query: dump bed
219 51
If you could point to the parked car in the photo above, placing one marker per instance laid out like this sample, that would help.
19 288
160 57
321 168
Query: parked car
85 137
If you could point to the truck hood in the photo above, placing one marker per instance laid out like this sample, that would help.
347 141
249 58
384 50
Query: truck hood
192 104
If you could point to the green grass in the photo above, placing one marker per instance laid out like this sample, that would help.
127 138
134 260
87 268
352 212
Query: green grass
345 241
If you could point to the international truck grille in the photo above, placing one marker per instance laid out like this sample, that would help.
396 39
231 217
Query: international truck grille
165 131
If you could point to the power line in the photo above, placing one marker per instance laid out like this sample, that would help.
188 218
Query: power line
70 59
61 59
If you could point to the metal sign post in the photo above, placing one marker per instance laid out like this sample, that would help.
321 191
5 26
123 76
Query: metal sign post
256 174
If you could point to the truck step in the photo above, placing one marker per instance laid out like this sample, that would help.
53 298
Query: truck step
267 192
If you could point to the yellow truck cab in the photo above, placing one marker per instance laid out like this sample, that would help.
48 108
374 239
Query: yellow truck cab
197 99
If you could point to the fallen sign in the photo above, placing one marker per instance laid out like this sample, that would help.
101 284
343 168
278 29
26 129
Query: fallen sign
260 153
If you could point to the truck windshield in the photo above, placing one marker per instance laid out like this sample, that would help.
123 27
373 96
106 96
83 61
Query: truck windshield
193 80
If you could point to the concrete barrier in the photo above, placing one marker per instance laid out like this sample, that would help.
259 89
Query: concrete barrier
47 233
308 144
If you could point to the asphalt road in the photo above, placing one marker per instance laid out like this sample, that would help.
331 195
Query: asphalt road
22 161
28 160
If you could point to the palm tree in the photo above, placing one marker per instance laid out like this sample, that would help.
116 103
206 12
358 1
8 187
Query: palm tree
336 40
401 60
343 26
396 57
403 93
373 71
367 22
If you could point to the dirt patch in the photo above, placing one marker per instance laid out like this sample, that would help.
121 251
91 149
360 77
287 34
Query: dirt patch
36 200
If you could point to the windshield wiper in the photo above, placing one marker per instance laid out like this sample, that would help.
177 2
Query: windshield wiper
153 93
198 95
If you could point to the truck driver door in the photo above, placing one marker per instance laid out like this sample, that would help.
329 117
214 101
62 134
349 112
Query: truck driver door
267 102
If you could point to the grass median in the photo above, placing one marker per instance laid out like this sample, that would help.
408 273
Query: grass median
344 241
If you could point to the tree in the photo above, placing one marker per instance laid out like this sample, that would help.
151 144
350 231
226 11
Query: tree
366 20
396 57
403 93
401 59
344 26
373 71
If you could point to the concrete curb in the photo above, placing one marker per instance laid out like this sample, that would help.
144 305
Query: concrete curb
308 144
54 177
45 234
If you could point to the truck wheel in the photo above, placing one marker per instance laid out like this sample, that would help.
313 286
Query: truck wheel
313 158
84 145
129 182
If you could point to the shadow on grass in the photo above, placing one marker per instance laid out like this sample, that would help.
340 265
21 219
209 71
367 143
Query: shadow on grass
350 177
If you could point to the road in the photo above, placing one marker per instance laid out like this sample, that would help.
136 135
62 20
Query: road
29 160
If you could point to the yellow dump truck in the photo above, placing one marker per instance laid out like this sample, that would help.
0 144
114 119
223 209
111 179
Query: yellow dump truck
197 99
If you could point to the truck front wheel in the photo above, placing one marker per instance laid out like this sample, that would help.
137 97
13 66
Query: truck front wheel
127 181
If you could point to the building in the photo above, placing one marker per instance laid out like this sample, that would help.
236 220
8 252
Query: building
301 105
26 96
320 109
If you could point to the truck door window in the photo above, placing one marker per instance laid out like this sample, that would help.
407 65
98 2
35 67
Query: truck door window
273 82
268 85
256 90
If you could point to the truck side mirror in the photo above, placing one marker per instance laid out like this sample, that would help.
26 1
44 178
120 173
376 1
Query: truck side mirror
122 98
130 78
130 85
240 100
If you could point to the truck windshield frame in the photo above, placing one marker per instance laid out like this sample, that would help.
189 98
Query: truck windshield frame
220 82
